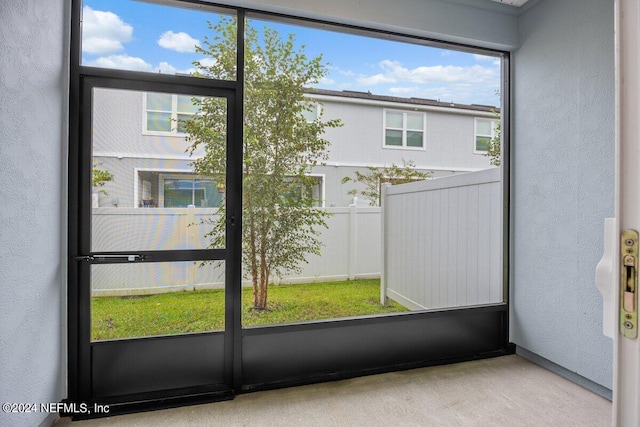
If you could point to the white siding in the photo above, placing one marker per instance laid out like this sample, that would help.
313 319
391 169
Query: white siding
350 249
449 142
442 241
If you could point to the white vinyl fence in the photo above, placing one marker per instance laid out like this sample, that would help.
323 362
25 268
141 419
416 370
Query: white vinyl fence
351 249
442 241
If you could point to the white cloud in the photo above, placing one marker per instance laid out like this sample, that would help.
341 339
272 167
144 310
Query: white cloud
376 79
404 91
122 62
327 81
166 68
103 32
126 62
180 42
347 73
483 57
394 72
207 62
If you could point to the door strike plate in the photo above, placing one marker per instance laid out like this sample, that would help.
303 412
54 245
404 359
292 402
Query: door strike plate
629 284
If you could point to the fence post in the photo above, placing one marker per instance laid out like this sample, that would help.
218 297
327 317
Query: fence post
353 240
190 243
383 262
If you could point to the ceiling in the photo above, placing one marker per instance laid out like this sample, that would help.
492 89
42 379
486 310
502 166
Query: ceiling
517 3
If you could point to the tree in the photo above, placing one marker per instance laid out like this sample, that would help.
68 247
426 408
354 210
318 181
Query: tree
375 177
493 151
280 224
100 177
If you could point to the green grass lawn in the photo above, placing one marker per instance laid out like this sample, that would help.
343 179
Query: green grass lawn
203 311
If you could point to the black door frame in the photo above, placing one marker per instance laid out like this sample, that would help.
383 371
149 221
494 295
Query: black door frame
268 357
189 370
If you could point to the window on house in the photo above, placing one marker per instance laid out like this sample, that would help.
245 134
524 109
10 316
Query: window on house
184 192
167 113
404 129
311 115
312 188
158 189
485 131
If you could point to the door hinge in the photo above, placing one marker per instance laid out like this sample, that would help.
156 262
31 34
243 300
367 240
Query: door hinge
629 284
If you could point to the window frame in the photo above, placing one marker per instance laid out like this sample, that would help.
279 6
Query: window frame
174 117
404 129
162 175
317 110
251 352
494 124
322 177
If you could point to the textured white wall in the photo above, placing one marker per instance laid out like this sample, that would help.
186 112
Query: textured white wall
563 181
33 73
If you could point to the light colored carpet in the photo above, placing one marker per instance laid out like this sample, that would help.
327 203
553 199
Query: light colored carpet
504 391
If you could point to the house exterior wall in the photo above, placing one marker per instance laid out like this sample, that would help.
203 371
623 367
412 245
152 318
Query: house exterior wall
563 182
122 145
449 142
118 128
33 115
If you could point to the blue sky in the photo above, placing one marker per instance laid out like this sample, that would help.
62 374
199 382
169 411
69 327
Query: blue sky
126 34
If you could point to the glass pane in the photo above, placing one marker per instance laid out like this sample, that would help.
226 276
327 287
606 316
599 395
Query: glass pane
394 120
415 121
328 266
483 127
120 35
207 194
414 139
316 191
310 115
158 122
182 122
188 104
159 101
149 299
178 193
482 143
393 137
181 204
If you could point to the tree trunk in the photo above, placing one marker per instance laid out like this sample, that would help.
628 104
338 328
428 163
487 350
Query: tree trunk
264 280
254 264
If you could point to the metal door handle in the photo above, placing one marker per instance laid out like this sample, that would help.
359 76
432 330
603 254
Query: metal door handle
110 257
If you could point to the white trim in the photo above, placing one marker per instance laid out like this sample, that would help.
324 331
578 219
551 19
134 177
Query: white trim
626 351
462 180
325 163
384 165
400 105
323 188
410 304
404 130
142 156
